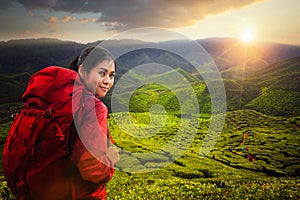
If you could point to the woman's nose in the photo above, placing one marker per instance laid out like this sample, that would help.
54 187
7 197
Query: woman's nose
106 79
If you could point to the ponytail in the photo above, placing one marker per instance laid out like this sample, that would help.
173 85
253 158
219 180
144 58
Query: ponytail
73 65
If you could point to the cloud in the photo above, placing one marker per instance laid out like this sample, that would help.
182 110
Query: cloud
140 13
5 4
87 20
52 20
36 4
30 33
68 18
31 14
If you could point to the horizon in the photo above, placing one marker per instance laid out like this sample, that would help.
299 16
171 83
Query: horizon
88 21
130 39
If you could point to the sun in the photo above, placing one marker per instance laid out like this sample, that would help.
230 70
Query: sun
248 36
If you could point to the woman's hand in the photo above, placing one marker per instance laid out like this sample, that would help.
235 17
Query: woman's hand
113 154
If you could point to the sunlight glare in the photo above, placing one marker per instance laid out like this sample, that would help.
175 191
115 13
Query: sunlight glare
248 36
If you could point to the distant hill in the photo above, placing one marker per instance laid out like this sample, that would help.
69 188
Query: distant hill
228 52
252 74
279 89
271 89
31 55
12 86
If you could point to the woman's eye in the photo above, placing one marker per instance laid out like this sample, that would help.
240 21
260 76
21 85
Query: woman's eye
102 73
112 75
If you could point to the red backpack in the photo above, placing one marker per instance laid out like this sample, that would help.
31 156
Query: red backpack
35 157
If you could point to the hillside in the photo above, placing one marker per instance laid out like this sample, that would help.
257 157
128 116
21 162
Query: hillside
227 172
267 140
12 86
263 90
272 90
238 167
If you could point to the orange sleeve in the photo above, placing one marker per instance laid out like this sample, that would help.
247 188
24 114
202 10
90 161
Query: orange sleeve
89 151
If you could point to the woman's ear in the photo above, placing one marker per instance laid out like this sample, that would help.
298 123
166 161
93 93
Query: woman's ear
81 72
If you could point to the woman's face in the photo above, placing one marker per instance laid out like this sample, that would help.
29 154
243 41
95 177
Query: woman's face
100 78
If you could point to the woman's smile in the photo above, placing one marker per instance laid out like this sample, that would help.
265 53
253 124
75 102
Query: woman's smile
104 88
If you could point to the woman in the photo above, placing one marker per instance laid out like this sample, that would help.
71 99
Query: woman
92 152
44 157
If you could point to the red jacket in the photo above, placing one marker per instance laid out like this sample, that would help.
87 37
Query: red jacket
89 152
44 157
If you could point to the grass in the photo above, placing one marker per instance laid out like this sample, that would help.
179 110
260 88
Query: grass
237 185
225 173
286 102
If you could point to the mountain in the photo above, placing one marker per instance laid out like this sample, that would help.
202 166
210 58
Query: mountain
228 52
31 55
250 72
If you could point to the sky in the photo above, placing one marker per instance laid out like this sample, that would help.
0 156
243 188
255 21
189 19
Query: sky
92 20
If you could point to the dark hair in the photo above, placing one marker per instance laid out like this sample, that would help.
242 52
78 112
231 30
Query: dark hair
96 56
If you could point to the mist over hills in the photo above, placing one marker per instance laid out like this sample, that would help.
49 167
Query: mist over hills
251 72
